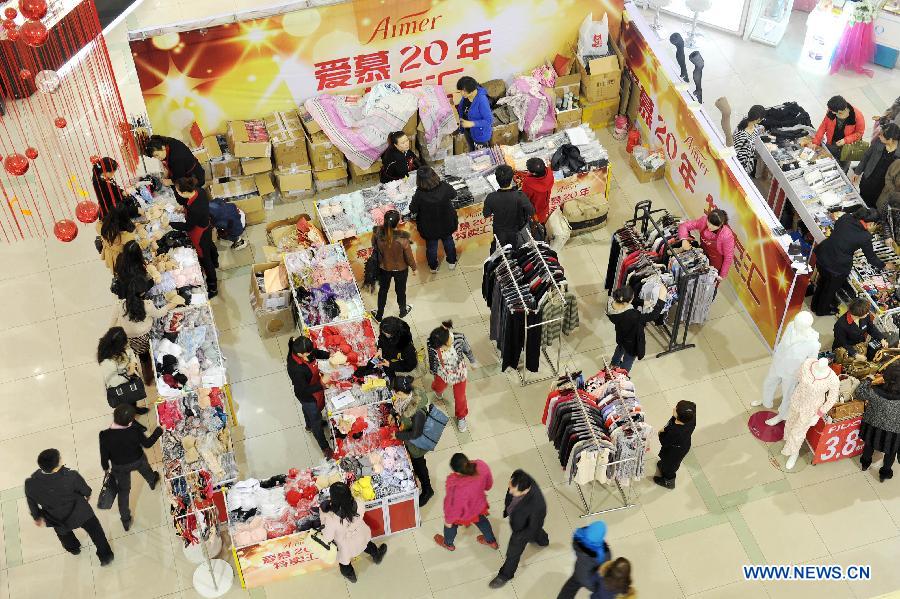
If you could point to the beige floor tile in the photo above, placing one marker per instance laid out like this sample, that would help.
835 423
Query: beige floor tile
809 589
326 583
888 494
736 464
78 336
87 445
22 258
276 453
492 408
782 529
140 559
45 410
184 572
735 341
683 367
71 295
542 579
558 529
26 299
20 454
652 573
811 475
248 357
87 397
29 350
720 415
71 577
436 301
264 405
232 306
748 385
663 506
36 542
4 587
705 559
79 251
470 562
744 590
400 574
503 453
229 259
620 523
881 557
595 331
149 509
583 281
833 504
479 588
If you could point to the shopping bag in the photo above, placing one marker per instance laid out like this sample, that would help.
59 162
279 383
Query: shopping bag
854 152
435 422
130 392
108 492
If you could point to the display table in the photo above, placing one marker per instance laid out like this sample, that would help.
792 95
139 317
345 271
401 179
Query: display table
833 441
322 283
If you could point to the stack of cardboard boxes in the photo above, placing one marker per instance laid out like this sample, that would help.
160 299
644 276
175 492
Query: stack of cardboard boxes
568 84
292 169
329 167
600 87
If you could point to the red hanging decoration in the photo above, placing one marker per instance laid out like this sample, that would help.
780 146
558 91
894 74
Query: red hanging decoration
12 34
47 81
33 33
95 159
86 211
10 13
65 230
31 153
33 9
25 74
60 122
16 165
9 24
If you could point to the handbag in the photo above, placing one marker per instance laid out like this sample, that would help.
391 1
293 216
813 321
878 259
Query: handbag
108 492
129 392
853 367
854 152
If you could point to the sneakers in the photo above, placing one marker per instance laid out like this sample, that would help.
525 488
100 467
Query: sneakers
884 475
240 244
155 482
351 576
107 560
379 555
408 309
126 524
451 265
664 482
212 293
439 539
75 551
494 545
461 425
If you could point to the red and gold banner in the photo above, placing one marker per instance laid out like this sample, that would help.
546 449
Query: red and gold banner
280 558
254 67
702 181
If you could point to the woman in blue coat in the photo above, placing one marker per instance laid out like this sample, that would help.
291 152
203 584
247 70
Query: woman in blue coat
476 118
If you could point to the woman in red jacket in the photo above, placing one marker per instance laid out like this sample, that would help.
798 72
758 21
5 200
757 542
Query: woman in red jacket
466 501
843 124
537 183
716 238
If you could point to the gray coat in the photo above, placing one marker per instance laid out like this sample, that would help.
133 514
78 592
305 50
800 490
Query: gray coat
63 495
882 408
871 157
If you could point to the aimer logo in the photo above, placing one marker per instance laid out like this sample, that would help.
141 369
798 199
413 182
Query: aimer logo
405 25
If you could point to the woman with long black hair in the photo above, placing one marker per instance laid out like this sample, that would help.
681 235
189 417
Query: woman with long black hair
115 230
177 159
109 194
130 271
189 193
117 362
135 314
747 131
395 258
342 519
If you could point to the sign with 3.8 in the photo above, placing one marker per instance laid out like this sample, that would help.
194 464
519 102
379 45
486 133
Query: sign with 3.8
835 441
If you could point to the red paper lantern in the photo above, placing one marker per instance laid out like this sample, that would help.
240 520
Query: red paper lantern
33 9
65 230
86 211
9 25
12 34
31 153
33 33
25 74
10 13
16 164
60 122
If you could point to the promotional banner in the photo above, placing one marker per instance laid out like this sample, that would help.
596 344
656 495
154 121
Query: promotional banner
254 67
701 181
280 558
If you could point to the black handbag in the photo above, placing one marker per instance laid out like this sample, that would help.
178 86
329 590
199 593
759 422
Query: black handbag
108 492
130 392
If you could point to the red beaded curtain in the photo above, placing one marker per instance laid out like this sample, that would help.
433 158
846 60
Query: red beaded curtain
60 110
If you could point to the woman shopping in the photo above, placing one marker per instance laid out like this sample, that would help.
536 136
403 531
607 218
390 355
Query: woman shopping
843 125
190 194
395 347
466 501
135 315
631 341
746 133
309 386
716 239
447 354
436 218
109 194
395 258
871 172
880 427
343 524
398 160
537 183
177 159
131 271
412 413
118 364
613 581
115 230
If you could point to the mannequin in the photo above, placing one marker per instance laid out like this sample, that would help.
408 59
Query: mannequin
678 42
695 58
817 390
725 110
799 343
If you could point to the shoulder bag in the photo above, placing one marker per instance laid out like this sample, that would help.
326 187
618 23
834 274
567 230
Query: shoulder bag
129 392
108 492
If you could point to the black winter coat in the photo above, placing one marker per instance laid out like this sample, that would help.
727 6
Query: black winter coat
395 164
630 325
675 441
301 376
399 351
436 217
181 162
835 254
586 563
527 519
63 495
510 208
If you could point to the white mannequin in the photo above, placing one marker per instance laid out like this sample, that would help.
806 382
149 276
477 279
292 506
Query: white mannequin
817 390
798 343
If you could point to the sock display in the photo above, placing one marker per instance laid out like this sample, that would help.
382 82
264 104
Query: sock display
695 58
678 42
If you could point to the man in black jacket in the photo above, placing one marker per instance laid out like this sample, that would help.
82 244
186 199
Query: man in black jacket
526 509
510 208
58 497
834 257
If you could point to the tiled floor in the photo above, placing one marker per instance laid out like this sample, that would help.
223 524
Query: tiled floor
732 505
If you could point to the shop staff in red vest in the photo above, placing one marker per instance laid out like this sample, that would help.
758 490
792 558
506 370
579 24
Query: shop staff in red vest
195 201
309 385
176 157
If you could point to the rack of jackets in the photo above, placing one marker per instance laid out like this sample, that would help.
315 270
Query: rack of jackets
530 303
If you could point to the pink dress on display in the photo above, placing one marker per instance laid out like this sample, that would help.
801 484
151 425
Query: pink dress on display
857 45
811 396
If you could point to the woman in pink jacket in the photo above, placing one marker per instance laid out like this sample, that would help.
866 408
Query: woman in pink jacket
466 501
716 238
342 522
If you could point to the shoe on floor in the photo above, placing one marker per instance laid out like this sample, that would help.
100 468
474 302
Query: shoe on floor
212 293
494 545
497 582
375 316
662 482
439 539
434 271
461 425
884 475
155 481
107 560
240 244
451 265
350 577
403 313
74 551
425 497
865 465
126 524
379 554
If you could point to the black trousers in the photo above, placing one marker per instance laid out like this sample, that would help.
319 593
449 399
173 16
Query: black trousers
514 550
869 450
122 474
313 417
824 299
384 285
421 470
669 465
347 569
570 588
95 531
209 260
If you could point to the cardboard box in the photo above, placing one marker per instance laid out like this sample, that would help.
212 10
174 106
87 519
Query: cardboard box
264 184
284 222
357 172
257 217
225 167
291 155
309 124
599 114
237 186
603 81
460 144
259 299
505 135
278 322
254 166
642 175
327 179
445 148
284 126
240 145
212 146
568 118
324 155
412 125
201 154
567 83
294 182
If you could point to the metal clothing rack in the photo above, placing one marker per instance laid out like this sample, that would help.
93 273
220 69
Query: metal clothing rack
677 333
560 296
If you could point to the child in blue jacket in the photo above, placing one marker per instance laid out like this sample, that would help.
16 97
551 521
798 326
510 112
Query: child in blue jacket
229 221
475 114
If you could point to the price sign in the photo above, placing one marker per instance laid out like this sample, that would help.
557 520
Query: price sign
835 441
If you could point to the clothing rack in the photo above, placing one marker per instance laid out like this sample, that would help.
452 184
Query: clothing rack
677 332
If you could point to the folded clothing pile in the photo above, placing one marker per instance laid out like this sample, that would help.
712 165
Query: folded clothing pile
358 212
323 285
186 350
381 473
301 234
362 429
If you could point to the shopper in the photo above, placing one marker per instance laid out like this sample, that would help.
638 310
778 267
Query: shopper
880 427
122 448
436 218
747 131
59 498
476 118
412 413
591 551
834 257
891 115
466 501
447 354
526 509
108 193
395 347
843 124
395 258
343 524
229 221
537 183
510 208
889 211
613 581
115 229
177 159
675 442
398 160
130 271
117 361
629 322
190 194
871 172
135 315
309 386
716 239
855 331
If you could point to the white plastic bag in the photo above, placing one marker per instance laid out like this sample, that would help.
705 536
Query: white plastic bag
593 36
558 230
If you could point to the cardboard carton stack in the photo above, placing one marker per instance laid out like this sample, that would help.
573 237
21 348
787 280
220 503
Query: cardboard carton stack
243 192
568 104
366 177
600 87
292 168
270 298
329 167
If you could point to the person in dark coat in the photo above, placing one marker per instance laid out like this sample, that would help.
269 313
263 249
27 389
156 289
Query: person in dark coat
190 194
526 509
122 451
857 326
871 171
309 386
395 347
229 222
631 342
613 581
177 159
398 160
395 258
109 194
510 208
411 416
436 218
59 498
880 427
130 271
834 257
591 550
675 442
475 116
